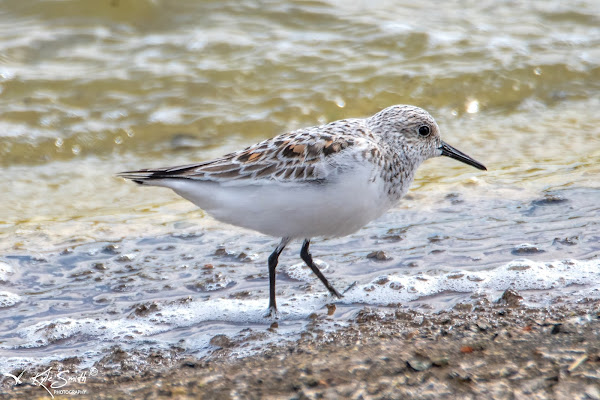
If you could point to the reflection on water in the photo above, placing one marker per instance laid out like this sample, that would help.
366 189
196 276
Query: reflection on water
91 88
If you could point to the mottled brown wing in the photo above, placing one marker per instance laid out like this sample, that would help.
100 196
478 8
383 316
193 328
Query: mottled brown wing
286 158
300 156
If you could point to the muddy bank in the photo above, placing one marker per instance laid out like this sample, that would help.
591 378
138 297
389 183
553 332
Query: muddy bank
482 350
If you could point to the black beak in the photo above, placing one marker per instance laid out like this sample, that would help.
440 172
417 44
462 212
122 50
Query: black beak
451 152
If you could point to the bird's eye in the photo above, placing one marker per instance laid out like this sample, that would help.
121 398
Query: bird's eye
424 131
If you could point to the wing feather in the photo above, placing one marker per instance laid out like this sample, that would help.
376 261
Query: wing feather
305 155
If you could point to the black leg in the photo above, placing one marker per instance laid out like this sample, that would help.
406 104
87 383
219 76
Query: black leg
305 254
273 258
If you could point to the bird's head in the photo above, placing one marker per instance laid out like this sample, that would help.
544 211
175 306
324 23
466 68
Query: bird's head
413 131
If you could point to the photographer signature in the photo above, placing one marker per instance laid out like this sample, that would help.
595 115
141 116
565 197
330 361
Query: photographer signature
56 381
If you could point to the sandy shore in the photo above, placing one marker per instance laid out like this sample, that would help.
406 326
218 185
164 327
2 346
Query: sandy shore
501 350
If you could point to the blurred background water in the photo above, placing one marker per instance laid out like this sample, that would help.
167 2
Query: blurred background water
90 88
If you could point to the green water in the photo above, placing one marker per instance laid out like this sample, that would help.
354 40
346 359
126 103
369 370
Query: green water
90 88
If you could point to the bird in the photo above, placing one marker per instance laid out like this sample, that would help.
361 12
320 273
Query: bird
321 181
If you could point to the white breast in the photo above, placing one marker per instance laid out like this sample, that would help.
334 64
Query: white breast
333 208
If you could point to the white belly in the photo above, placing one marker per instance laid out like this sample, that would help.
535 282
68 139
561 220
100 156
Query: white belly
290 210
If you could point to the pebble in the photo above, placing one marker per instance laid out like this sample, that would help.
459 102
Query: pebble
549 200
419 363
221 341
526 248
511 298
378 256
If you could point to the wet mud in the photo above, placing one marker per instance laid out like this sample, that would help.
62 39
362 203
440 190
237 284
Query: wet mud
483 350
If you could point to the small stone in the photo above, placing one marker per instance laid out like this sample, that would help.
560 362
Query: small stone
483 326
221 251
511 298
526 248
549 200
240 295
221 341
111 249
330 309
568 241
189 363
244 257
273 327
382 280
395 235
437 238
125 258
440 361
145 309
378 256
419 363
99 266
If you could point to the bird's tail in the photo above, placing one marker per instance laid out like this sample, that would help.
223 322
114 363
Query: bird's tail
144 176
139 177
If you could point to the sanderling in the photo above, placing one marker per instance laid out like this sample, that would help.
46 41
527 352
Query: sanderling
328 180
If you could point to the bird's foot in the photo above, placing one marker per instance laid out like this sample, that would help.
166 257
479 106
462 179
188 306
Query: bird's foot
335 293
272 313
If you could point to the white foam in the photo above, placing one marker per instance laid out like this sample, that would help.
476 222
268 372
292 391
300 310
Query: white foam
301 272
8 299
520 274
140 330
167 318
5 271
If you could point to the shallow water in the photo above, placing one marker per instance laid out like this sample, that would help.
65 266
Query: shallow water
86 90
